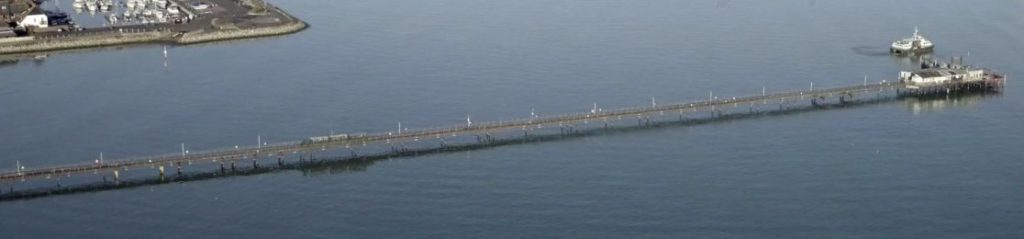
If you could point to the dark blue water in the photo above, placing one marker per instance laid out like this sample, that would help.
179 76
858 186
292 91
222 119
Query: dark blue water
906 169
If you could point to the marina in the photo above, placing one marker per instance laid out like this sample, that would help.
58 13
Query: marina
46 25
127 12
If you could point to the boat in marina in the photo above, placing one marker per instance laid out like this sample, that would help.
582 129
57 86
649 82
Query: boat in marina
915 44
173 10
91 5
159 17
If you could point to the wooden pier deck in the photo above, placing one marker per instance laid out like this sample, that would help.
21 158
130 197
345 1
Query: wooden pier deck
565 122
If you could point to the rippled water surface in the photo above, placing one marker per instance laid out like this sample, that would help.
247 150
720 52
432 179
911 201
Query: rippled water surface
936 169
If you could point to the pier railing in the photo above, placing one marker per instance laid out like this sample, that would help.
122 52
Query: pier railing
488 127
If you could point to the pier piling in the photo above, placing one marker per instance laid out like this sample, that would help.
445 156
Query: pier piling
486 132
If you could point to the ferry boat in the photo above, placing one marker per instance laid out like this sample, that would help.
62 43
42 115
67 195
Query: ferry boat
913 45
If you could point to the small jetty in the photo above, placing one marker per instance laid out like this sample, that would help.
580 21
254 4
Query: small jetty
937 79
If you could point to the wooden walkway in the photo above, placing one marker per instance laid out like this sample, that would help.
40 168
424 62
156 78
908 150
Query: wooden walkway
712 105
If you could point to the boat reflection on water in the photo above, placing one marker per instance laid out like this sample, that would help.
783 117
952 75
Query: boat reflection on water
8 62
13 61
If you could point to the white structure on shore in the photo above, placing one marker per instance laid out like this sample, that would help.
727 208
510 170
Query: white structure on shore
36 19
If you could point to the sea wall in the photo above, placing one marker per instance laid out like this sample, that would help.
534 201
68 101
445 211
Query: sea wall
85 42
15 40
200 37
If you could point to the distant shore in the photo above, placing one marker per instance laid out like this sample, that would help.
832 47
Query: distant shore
158 34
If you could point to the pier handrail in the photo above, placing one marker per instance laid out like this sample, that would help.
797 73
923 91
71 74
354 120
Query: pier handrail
485 127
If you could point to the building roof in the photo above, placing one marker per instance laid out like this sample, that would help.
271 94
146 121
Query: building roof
935 72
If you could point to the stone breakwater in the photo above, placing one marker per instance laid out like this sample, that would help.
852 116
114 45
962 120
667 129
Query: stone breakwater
100 40
220 35
114 39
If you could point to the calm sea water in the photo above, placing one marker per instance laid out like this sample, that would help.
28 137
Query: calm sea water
941 169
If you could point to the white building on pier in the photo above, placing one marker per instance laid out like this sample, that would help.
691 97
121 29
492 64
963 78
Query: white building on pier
936 76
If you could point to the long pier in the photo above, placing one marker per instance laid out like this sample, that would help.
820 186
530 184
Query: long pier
567 124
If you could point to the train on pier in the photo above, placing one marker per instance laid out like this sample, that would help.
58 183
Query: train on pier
331 138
